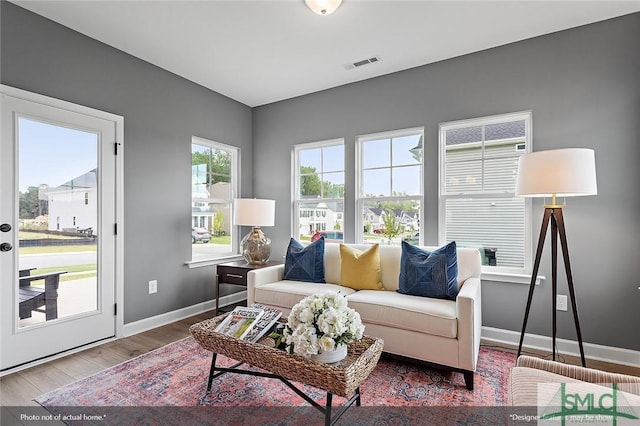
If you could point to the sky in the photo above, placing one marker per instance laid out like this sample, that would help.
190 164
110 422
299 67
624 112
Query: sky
52 155
378 157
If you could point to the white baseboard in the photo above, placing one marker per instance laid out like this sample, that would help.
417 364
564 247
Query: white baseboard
565 347
163 319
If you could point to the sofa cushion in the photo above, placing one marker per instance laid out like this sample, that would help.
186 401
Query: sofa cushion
305 263
429 274
392 309
389 263
360 270
287 293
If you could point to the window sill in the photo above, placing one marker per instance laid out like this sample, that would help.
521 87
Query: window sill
211 262
510 277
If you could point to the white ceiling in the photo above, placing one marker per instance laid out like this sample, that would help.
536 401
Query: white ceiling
258 52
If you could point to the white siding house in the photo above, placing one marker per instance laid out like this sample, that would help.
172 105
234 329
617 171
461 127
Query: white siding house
487 216
74 204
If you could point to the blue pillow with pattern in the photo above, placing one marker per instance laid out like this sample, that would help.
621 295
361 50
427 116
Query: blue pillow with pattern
429 274
305 263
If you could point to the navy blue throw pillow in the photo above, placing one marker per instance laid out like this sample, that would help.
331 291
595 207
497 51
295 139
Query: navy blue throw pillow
305 263
429 274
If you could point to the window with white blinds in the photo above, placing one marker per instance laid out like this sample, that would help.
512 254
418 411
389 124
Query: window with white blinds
478 206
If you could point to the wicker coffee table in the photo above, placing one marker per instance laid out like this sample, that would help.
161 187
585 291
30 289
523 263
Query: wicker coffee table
342 378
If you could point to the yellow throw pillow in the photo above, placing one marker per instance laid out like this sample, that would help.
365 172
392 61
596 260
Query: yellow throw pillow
360 270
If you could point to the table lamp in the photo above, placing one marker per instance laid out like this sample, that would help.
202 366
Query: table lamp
254 212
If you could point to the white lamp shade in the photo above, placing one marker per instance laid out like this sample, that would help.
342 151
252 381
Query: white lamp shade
254 212
561 172
323 7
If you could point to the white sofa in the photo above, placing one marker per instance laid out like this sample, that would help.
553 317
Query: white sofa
442 332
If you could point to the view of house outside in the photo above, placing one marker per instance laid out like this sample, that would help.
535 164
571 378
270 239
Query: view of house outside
58 214
213 188
478 204
478 201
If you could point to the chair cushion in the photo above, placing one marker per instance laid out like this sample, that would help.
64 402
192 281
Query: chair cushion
360 270
531 387
305 263
429 274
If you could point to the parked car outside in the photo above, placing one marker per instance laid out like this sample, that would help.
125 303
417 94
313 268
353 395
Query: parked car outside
200 234
329 236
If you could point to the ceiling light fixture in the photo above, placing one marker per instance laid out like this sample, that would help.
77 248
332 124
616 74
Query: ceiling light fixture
323 7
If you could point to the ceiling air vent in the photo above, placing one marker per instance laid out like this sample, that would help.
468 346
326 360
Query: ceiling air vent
362 63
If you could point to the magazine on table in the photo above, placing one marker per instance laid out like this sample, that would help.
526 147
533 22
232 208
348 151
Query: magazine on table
264 323
239 322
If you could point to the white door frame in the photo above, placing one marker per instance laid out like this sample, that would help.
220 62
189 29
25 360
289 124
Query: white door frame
118 208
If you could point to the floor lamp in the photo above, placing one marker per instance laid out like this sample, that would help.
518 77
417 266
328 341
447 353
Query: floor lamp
555 173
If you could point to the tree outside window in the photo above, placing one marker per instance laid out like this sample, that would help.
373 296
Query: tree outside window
214 184
319 188
390 189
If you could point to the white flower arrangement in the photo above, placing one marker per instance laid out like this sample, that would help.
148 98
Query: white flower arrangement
321 322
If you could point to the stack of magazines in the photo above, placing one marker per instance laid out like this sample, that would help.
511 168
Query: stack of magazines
249 323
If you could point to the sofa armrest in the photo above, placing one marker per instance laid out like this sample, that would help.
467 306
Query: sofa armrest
469 314
262 276
584 374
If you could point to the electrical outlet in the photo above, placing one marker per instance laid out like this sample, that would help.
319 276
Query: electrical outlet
153 287
561 302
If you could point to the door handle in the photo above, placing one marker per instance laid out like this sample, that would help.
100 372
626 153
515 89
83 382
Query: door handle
5 227
5 247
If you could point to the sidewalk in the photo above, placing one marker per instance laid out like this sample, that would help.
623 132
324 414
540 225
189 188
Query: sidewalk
74 297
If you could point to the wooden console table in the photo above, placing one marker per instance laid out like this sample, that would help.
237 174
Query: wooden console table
236 273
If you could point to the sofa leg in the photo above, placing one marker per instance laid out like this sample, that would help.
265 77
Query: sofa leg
468 379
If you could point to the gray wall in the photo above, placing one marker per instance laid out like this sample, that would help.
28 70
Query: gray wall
583 86
162 112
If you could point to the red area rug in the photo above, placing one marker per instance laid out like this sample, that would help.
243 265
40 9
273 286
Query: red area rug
175 376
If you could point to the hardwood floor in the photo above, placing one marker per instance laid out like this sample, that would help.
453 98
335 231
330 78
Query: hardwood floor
20 388
568 359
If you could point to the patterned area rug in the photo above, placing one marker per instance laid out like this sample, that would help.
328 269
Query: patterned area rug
175 376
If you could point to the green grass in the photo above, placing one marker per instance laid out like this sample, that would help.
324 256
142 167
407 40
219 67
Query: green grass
69 269
35 235
90 272
224 239
57 249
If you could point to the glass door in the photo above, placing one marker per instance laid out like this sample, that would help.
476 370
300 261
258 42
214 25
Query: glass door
57 219
58 228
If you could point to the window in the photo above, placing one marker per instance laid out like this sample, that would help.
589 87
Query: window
318 195
478 206
214 185
389 186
